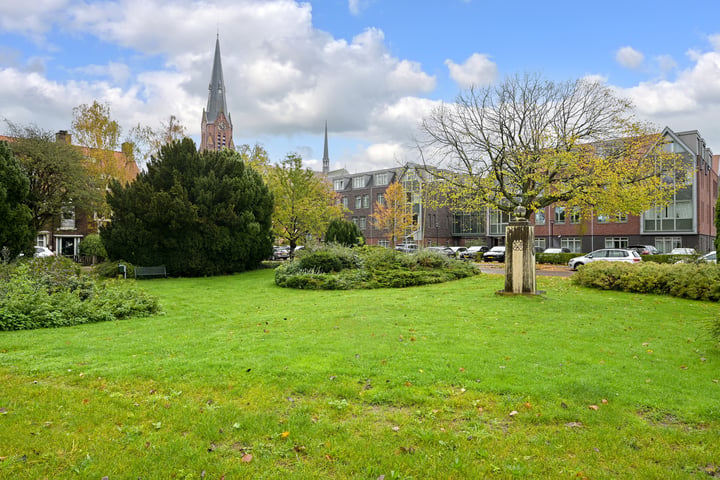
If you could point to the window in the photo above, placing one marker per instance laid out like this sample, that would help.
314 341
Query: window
362 223
619 218
666 244
67 218
345 202
575 216
338 185
498 222
366 201
467 223
540 243
574 244
540 217
358 182
381 199
41 240
616 242
384 243
355 220
358 201
559 214
382 178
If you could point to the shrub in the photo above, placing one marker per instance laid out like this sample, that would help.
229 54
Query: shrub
52 292
368 267
92 246
110 269
555 258
693 281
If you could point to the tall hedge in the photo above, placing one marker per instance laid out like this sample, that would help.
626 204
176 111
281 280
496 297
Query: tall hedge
196 213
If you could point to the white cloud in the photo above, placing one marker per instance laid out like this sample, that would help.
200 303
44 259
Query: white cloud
666 63
628 57
689 101
477 70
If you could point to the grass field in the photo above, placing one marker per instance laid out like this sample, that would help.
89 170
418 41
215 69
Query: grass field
242 379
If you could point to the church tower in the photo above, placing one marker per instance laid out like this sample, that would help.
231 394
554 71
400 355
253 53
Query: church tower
216 129
326 157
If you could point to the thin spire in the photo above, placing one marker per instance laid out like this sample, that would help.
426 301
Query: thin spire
326 157
216 96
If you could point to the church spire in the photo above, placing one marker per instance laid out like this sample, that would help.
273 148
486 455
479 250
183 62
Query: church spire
216 97
216 128
326 157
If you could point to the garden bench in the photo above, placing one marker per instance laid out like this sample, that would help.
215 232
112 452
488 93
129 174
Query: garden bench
150 272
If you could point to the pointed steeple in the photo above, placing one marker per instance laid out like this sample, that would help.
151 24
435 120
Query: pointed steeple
216 97
326 157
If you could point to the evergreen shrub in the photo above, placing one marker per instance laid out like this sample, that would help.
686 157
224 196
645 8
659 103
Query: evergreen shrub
685 280
53 292
368 267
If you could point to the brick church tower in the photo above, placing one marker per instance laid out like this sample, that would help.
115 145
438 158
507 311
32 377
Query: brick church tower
216 130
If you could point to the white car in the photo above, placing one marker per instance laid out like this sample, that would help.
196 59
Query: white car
42 252
709 257
607 255
682 251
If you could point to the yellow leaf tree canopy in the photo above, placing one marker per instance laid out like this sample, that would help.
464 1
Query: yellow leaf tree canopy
305 203
393 215
532 142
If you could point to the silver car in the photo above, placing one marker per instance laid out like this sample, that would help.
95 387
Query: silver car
607 255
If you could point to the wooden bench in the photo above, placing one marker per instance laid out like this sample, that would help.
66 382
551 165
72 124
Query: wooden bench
150 272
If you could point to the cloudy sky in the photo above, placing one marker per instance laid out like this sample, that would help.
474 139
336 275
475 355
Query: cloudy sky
370 68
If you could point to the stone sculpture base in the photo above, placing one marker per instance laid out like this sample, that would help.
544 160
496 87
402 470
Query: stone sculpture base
520 258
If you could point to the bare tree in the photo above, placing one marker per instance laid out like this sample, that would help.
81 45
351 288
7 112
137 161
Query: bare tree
532 142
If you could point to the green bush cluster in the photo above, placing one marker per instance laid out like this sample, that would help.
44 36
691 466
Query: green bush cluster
340 268
686 280
555 258
111 269
53 292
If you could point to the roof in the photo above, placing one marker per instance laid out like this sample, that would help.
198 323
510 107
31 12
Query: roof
216 96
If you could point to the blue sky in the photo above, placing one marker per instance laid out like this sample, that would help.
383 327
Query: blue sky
370 68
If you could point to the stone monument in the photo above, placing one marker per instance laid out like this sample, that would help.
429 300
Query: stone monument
519 256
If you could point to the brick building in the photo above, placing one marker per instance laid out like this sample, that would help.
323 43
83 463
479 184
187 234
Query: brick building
688 221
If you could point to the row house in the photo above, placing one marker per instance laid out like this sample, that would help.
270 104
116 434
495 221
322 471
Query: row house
688 221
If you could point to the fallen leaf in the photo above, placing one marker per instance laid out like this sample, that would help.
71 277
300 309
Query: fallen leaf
462 369
3 411
395 429
604 401
528 405
513 413
573 424
645 344
683 367
563 404
593 407
247 458
284 434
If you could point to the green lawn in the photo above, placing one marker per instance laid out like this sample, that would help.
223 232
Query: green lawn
242 379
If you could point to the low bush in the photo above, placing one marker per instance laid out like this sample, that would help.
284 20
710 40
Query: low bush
112 269
340 268
53 292
686 280
555 258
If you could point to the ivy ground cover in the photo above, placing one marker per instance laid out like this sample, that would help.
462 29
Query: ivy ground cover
240 378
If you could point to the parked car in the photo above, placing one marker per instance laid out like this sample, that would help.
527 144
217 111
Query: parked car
474 252
683 251
458 251
557 250
42 252
281 253
442 250
407 247
607 255
496 254
644 249
708 258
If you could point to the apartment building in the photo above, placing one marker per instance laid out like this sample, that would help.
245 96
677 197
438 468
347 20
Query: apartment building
688 221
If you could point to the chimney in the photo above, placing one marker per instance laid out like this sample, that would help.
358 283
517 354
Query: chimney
63 136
